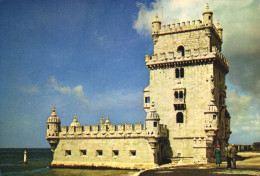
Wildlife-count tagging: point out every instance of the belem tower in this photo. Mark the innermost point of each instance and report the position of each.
(185, 104)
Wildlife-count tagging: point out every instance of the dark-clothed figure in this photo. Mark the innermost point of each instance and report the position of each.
(227, 155)
(233, 155)
(218, 156)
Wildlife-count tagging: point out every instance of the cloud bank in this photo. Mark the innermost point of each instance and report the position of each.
(240, 21)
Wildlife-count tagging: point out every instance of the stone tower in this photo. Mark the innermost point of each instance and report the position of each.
(53, 129)
(187, 85)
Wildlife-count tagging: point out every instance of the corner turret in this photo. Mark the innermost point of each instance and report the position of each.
(53, 129)
(152, 121)
(156, 27)
(207, 16)
(220, 31)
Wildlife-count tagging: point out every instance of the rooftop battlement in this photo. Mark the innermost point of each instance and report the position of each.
(191, 56)
(185, 26)
(110, 131)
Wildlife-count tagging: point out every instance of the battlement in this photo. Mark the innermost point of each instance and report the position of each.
(190, 56)
(110, 131)
(186, 26)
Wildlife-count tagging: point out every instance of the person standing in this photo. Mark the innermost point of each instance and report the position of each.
(233, 155)
(218, 156)
(228, 154)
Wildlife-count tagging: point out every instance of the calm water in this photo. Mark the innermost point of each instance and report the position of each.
(11, 163)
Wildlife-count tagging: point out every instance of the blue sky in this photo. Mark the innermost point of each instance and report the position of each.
(87, 58)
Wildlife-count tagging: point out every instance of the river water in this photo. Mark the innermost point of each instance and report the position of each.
(11, 163)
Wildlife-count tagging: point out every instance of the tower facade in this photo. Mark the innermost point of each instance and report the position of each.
(187, 85)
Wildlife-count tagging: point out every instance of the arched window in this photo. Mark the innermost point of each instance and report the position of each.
(181, 49)
(176, 94)
(179, 117)
(182, 73)
(177, 73)
(181, 94)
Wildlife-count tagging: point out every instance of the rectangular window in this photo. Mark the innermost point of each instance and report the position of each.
(147, 99)
(132, 152)
(214, 117)
(83, 152)
(48, 126)
(115, 153)
(155, 124)
(67, 152)
(179, 155)
(99, 152)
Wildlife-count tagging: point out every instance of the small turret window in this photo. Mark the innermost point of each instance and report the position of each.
(155, 124)
(147, 99)
(179, 117)
(181, 50)
(48, 126)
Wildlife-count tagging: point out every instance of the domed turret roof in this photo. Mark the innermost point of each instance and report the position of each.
(107, 120)
(156, 19)
(53, 118)
(75, 122)
(207, 10)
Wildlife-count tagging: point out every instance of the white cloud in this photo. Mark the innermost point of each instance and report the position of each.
(33, 88)
(76, 91)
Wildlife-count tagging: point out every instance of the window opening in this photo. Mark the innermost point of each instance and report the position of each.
(83, 152)
(214, 117)
(177, 73)
(99, 152)
(182, 73)
(115, 152)
(132, 152)
(48, 126)
(179, 117)
(176, 94)
(181, 94)
(155, 124)
(67, 152)
(181, 49)
(147, 99)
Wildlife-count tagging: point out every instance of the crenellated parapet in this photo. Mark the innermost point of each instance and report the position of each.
(191, 57)
(111, 131)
